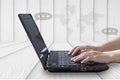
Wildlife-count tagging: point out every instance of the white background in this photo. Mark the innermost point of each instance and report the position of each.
(73, 22)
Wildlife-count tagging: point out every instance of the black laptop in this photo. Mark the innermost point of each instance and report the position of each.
(54, 61)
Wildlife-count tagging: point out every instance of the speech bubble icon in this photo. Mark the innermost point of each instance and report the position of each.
(43, 16)
(110, 31)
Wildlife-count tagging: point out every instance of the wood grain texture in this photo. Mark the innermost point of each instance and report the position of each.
(48, 25)
(114, 17)
(87, 19)
(74, 22)
(6, 20)
(0, 21)
(11, 49)
(19, 64)
(100, 20)
(19, 32)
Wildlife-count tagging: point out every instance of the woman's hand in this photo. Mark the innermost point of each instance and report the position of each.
(83, 49)
(95, 56)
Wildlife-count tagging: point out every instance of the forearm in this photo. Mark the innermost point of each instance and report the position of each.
(110, 45)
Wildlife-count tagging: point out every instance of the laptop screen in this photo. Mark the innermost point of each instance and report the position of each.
(35, 37)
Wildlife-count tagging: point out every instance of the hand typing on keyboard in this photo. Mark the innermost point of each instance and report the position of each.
(92, 56)
(77, 49)
(102, 53)
(88, 54)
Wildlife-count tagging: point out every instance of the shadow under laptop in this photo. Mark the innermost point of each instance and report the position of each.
(38, 72)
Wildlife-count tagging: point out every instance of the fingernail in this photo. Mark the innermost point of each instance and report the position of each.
(82, 62)
(74, 60)
(72, 54)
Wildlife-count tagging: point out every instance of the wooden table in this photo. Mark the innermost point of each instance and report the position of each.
(20, 61)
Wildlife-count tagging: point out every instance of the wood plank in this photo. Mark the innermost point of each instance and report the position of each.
(113, 18)
(6, 20)
(9, 44)
(87, 20)
(0, 21)
(60, 21)
(60, 24)
(112, 73)
(47, 25)
(19, 33)
(100, 20)
(10, 49)
(20, 64)
(74, 22)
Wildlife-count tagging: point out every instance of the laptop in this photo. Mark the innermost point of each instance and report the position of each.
(54, 61)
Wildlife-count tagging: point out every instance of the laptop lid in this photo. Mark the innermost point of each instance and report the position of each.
(35, 37)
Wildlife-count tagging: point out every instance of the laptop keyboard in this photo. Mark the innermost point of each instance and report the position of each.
(63, 58)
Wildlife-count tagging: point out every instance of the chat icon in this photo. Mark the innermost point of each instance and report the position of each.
(110, 31)
(43, 16)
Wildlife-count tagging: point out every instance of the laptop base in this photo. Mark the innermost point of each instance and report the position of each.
(55, 66)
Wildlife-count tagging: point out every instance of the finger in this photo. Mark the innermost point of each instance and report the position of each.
(83, 56)
(72, 50)
(86, 60)
(80, 57)
(84, 50)
(74, 57)
(75, 51)
(80, 48)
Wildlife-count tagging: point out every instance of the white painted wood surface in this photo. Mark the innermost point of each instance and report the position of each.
(47, 26)
(73, 22)
(6, 20)
(100, 20)
(19, 7)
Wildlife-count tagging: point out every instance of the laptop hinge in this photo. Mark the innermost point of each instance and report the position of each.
(46, 67)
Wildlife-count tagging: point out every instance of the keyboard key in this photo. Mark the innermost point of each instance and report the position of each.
(63, 58)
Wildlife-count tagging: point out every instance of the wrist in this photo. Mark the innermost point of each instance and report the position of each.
(110, 57)
(115, 58)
